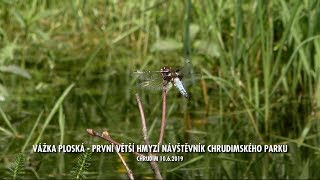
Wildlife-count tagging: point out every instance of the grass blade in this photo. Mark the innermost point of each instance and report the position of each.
(53, 111)
(186, 163)
(7, 121)
(32, 131)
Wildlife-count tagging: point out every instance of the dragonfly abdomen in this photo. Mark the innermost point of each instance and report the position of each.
(180, 87)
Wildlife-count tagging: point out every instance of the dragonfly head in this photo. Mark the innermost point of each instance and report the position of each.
(179, 73)
(166, 73)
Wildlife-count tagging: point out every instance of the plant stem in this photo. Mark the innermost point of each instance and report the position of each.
(163, 120)
(153, 164)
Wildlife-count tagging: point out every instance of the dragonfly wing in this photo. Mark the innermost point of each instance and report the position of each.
(150, 85)
(147, 75)
(149, 80)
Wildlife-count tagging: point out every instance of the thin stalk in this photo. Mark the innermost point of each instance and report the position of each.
(153, 164)
(164, 109)
(187, 49)
(129, 171)
(105, 135)
(143, 121)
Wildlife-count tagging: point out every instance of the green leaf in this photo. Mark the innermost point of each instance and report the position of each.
(166, 45)
(3, 93)
(195, 159)
(305, 171)
(7, 121)
(7, 52)
(194, 29)
(208, 48)
(53, 111)
(15, 70)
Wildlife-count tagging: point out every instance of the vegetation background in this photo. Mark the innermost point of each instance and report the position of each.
(66, 66)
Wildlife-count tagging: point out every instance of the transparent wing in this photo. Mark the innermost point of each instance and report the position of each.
(188, 83)
(147, 75)
(188, 75)
(187, 71)
(150, 80)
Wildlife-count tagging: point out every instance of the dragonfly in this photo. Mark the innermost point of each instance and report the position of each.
(166, 78)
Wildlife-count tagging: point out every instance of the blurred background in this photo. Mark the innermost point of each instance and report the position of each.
(66, 66)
